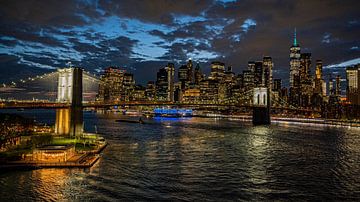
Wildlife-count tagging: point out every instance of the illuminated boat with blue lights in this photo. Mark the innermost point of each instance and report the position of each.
(164, 112)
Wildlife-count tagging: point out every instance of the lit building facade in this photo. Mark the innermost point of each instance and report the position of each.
(191, 95)
(183, 76)
(111, 85)
(165, 83)
(248, 80)
(277, 85)
(251, 66)
(209, 90)
(127, 87)
(138, 93)
(318, 81)
(306, 83)
(294, 60)
(353, 84)
(198, 76)
(170, 69)
(150, 91)
(217, 71)
(259, 74)
(294, 80)
(268, 66)
(190, 72)
(338, 85)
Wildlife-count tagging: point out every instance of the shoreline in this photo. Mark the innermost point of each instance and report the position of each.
(86, 160)
(329, 122)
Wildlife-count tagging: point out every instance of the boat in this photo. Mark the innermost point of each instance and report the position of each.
(131, 112)
(172, 113)
(130, 121)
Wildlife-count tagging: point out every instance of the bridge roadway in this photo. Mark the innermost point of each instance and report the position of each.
(56, 105)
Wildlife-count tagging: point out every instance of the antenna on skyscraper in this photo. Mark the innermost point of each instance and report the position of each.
(295, 42)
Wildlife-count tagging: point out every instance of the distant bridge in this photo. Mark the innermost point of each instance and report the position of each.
(66, 85)
(57, 105)
(72, 81)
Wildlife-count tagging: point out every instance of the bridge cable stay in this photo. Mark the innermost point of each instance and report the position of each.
(14, 84)
(282, 102)
(247, 95)
(38, 87)
(11, 87)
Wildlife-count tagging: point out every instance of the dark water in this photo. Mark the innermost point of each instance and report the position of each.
(201, 159)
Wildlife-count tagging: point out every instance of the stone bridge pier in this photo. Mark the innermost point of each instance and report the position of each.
(261, 106)
(70, 121)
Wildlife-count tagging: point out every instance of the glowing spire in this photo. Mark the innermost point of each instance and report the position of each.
(295, 42)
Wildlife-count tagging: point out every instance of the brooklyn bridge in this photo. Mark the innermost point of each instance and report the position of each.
(76, 89)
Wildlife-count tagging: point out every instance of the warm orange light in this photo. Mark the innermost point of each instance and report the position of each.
(62, 125)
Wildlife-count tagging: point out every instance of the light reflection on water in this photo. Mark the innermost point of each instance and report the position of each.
(202, 159)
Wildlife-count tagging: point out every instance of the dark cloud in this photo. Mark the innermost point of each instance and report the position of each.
(14, 71)
(53, 32)
(29, 33)
(156, 11)
(49, 12)
(113, 52)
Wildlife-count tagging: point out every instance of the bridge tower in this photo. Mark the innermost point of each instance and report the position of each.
(261, 106)
(70, 121)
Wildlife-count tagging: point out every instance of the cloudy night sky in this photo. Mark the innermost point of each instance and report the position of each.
(142, 36)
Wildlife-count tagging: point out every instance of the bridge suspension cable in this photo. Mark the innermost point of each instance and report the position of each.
(14, 84)
(282, 102)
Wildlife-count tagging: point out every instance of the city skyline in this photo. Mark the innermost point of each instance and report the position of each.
(95, 35)
(179, 100)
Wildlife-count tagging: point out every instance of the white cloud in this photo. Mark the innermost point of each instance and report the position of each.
(247, 24)
(344, 64)
(326, 38)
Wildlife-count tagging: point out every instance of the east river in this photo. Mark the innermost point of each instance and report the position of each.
(200, 159)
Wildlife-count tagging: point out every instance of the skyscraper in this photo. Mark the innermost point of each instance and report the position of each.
(111, 87)
(165, 83)
(318, 82)
(277, 85)
(230, 76)
(217, 71)
(248, 80)
(268, 66)
(276, 92)
(331, 86)
(170, 69)
(190, 72)
(353, 84)
(150, 91)
(338, 86)
(318, 69)
(128, 86)
(305, 63)
(319, 87)
(294, 60)
(251, 66)
(306, 84)
(209, 90)
(198, 76)
(294, 80)
(183, 76)
(258, 74)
